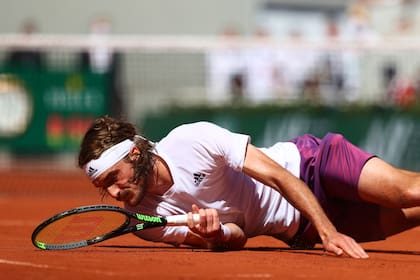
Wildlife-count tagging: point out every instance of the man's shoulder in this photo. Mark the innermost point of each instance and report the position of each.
(194, 129)
(197, 124)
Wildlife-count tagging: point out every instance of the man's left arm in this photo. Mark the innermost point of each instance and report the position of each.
(270, 173)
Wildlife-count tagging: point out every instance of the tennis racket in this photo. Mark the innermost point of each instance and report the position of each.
(88, 225)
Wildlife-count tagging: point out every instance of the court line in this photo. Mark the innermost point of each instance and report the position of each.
(19, 263)
(45, 266)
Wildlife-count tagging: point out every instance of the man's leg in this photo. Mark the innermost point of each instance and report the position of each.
(396, 190)
(394, 221)
(383, 184)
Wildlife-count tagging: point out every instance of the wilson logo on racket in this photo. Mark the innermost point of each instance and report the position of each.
(150, 219)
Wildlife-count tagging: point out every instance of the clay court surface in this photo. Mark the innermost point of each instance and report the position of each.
(29, 197)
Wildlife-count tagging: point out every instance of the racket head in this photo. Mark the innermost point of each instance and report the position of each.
(79, 227)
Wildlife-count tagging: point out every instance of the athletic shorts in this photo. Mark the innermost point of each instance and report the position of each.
(331, 167)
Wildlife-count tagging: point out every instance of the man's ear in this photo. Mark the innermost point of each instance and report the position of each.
(134, 153)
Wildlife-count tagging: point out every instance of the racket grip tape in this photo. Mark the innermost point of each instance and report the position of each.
(181, 220)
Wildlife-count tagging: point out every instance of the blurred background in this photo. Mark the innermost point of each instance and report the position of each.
(273, 69)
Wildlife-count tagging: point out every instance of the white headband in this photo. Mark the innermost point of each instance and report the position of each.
(96, 167)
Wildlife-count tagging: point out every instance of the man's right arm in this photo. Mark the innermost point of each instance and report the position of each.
(229, 236)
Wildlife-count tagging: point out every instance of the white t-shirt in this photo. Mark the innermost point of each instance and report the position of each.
(205, 161)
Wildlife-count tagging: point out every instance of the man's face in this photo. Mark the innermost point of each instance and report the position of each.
(119, 182)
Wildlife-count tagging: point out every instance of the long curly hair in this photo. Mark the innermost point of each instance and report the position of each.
(106, 132)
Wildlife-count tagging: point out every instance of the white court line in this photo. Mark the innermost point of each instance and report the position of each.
(18, 263)
(45, 266)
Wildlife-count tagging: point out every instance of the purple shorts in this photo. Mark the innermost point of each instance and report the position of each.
(331, 167)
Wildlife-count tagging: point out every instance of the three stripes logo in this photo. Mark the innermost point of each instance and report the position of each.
(198, 178)
(91, 171)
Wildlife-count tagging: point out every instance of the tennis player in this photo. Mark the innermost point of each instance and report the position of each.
(303, 191)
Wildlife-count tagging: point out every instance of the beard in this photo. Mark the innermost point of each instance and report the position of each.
(137, 196)
(134, 194)
(142, 168)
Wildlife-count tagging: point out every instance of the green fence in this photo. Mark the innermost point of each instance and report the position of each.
(48, 111)
(391, 133)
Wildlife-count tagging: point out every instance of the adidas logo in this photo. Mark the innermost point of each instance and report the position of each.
(198, 178)
(91, 171)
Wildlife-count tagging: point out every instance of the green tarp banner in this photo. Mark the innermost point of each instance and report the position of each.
(48, 111)
(390, 133)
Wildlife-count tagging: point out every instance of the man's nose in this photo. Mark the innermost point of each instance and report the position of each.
(113, 191)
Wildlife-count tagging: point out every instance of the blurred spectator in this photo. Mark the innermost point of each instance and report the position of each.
(358, 25)
(403, 92)
(29, 59)
(261, 69)
(226, 79)
(400, 89)
(337, 68)
(296, 66)
(102, 59)
(406, 22)
(389, 75)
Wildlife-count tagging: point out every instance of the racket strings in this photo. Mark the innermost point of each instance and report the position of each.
(81, 226)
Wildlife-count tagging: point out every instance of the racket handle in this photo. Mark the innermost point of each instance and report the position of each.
(181, 220)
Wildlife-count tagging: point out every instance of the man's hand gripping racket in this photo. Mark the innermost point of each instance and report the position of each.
(88, 225)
